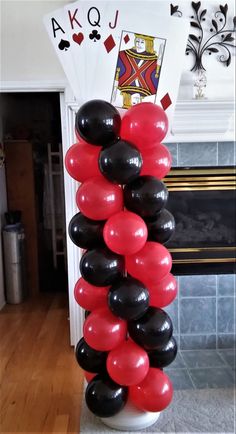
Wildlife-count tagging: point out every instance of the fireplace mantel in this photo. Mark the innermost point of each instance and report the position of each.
(203, 120)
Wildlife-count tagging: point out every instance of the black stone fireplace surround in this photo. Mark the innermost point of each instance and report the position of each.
(203, 203)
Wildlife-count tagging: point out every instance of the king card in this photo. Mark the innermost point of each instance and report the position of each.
(138, 69)
(140, 59)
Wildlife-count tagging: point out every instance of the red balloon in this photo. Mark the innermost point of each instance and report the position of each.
(104, 331)
(89, 376)
(154, 393)
(164, 292)
(90, 297)
(99, 199)
(156, 161)
(150, 264)
(144, 124)
(128, 364)
(125, 233)
(81, 161)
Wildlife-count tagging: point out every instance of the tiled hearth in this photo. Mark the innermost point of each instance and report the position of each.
(203, 369)
(203, 314)
(202, 154)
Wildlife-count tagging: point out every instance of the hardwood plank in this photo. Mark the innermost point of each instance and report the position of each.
(42, 384)
(61, 423)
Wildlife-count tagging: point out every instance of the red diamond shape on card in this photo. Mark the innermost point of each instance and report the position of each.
(109, 43)
(166, 101)
(126, 39)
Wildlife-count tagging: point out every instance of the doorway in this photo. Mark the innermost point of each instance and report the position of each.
(31, 130)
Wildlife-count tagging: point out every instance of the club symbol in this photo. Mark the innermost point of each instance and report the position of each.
(63, 45)
(95, 35)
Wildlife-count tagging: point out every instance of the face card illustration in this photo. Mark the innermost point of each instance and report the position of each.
(138, 69)
(56, 29)
(141, 60)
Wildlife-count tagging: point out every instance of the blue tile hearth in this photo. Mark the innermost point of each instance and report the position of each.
(197, 286)
(225, 340)
(207, 378)
(178, 363)
(180, 379)
(173, 150)
(202, 359)
(226, 315)
(226, 285)
(229, 357)
(202, 369)
(197, 342)
(197, 154)
(226, 153)
(197, 315)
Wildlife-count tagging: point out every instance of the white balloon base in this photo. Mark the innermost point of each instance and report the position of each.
(131, 419)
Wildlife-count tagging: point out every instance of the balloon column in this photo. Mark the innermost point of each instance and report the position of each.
(126, 280)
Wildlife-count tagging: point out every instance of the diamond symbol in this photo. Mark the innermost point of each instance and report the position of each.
(126, 38)
(166, 101)
(109, 43)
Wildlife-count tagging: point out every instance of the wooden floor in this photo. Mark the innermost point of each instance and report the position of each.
(41, 383)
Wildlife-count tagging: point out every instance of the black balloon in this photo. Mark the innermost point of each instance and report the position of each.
(87, 313)
(120, 162)
(86, 233)
(145, 196)
(98, 122)
(101, 267)
(163, 355)
(162, 227)
(104, 397)
(128, 298)
(153, 329)
(89, 359)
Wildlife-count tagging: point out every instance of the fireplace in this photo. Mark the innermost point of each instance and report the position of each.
(202, 201)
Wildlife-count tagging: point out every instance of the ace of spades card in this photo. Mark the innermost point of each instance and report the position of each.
(56, 29)
(141, 59)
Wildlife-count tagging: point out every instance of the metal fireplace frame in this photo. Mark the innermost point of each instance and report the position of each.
(202, 260)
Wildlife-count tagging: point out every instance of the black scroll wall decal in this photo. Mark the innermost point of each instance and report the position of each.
(220, 40)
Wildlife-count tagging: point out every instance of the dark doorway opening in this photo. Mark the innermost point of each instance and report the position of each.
(31, 130)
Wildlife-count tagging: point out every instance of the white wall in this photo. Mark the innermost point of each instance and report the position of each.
(27, 53)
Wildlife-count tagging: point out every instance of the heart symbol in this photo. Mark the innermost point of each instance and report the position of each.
(78, 38)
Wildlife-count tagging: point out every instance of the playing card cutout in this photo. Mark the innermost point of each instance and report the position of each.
(78, 38)
(109, 43)
(166, 101)
(63, 45)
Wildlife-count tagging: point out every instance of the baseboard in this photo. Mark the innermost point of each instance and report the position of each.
(2, 305)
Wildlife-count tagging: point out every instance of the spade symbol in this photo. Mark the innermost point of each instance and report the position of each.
(63, 45)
